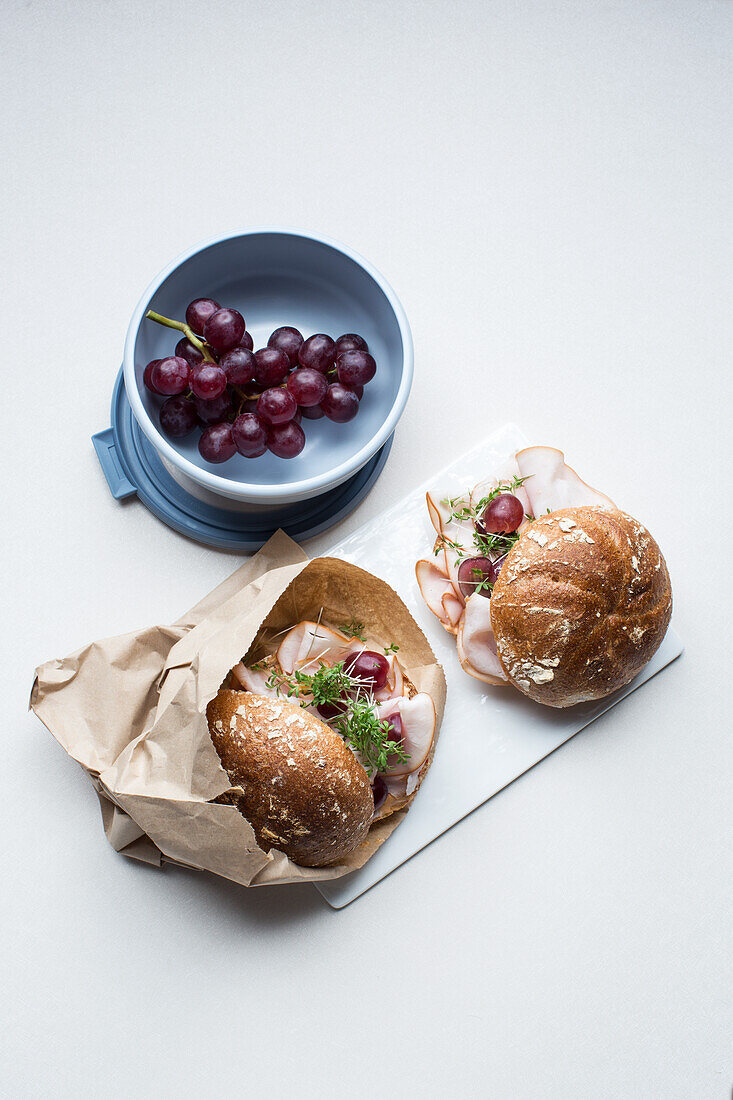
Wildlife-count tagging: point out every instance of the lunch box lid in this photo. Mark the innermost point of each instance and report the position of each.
(132, 467)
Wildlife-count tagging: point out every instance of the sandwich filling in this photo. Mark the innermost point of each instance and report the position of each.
(361, 693)
(474, 534)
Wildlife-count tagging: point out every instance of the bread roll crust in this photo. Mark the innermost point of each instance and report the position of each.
(581, 605)
(300, 787)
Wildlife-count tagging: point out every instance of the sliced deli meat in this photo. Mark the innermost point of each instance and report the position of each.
(416, 729)
(254, 680)
(395, 686)
(438, 511)
(453, 535)
(308, 642)
(476, 642)
(435, 586)
(453, 609)
(505, 475)
(551, 484)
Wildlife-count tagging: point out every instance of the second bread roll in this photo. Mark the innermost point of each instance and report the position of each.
(300, 787)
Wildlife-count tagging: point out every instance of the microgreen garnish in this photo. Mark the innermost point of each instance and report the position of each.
(493, 546)
(354, 629)
(358, 723)
(325, 686)
(482, 582)
(391, 649)
(361, 729)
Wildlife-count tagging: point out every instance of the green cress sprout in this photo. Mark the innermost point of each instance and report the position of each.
(486, 544)
(357, 722)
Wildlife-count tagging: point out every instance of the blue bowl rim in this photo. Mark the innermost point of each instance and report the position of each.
(248, 491)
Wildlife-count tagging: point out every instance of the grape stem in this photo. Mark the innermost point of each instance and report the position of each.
(181, 326)
(244, 396)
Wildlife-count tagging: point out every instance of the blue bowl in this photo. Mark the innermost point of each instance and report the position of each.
(278, 277)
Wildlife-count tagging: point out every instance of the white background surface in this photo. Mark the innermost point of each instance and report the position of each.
(547, 186)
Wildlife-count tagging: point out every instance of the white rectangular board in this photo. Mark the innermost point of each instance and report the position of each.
(489, 736)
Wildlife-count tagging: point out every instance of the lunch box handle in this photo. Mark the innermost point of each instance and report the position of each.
(119, 483)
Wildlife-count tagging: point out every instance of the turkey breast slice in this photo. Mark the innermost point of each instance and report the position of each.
(552, 484)
(476, 643)
(254, 680)
(435, 585)
(307, 642)
(418, 729)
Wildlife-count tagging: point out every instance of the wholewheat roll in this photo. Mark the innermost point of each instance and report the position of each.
(300, 787)
(581, 605)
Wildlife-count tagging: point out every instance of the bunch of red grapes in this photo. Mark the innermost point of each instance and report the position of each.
(250, 401)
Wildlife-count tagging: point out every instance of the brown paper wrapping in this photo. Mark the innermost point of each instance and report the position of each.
(131, 709)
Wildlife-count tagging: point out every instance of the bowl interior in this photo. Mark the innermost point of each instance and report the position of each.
(278, 279)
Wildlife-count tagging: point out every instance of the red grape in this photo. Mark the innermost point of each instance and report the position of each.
(208, 381)
(396, 733)
(286, 440)
(358, 390)
(340, 404)
(501, 516)
(238, 365)
(216, 443)
(355, 368)
(147, 376)
(198, 313)
(189, 352)
(350, 342)
(312, 412)
(272, 367)
(247, 341)
(210, 412)
(499, 565)
(170, 375)
(379, 792)
(249, 435)
(224, 329)
(331, 710)
(178, 416)
(289, 340)
(318, 351)
(307, 386)
(472, 572)
(276, 406)
(369, 668)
